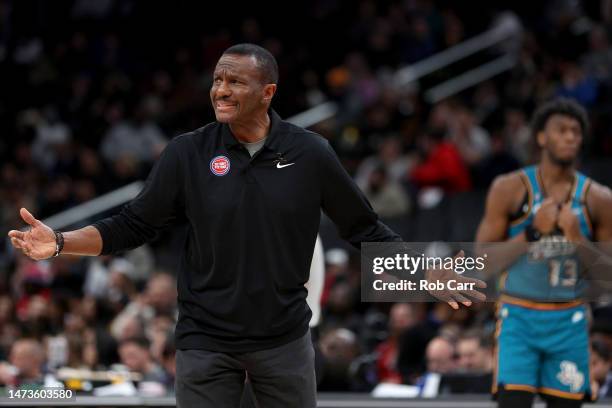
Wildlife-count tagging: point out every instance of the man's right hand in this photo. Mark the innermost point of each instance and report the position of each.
(38, 242)
(545, 219)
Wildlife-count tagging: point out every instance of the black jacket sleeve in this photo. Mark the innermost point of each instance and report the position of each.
(155, 207)
(346, 205)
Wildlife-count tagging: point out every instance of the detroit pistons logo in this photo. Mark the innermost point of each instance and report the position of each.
(220, 166)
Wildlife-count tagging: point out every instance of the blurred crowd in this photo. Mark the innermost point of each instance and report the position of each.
(92, 91)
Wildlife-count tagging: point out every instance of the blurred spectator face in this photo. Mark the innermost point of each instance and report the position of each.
(472, 356)
(74, 323)
(561, 139)
(515, 119)
(161, 293)
(336, 261)
(27, 356)
(441, 116)
(38, 308)
(390, 150)
(125, 166)
(132, 328)
(339, 345)
(464, 119)
(157, 332)
(134, 356)
(89, 162)
(340, 299)
(599, 367)
(88, 309)
(238, 92)
(401, 317)
(440, 356)
(571, 74)
(84, 190)
(377, 180)
(600, 361)
(6, 310)
(604, 338)
(90, 350)
(598, 39)
(169, 364)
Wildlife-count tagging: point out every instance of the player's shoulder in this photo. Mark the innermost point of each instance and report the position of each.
(508, 183)
(599, 195)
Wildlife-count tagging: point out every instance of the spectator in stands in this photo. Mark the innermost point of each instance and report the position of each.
(336, 268)
(441, 166)
(440, 355)
(135, 355)
(441, 359)
(389, 156)
(517, 135)
(472, 141)
(160, 294)
(598, 61)
(339, 348)
(340, 308)
(474, 353)
(168, 362)
(27, 359)
(577, 85)
(600, 368)
(159, 298)
(401, 317)
(137, 136)
(387, 197)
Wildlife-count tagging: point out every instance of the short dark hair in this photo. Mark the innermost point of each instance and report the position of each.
(265, 60)
(484, 340)
(601, 349)
(559, 106)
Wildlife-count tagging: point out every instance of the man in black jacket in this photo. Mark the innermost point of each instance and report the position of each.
(251, 187)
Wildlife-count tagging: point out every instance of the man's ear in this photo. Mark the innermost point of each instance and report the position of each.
(268, 93)
(541, 138)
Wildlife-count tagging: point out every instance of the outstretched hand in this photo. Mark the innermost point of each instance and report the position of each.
(38, 242)
(454, 297)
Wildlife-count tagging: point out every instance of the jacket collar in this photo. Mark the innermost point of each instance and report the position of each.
(274, 134)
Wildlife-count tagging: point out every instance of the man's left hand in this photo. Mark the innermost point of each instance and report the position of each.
(569, 224)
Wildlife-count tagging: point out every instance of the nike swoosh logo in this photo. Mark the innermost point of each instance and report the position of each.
(280, 166)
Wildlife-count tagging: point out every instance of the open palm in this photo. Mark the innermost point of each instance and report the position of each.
(454, 297)
(38, 242)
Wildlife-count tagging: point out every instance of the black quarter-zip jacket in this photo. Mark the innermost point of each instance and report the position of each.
(252, 229)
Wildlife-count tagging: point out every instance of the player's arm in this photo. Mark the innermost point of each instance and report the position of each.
(494, 224)
(596, 257)
(599, 202)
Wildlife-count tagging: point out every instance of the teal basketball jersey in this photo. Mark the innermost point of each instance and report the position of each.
(550, 271)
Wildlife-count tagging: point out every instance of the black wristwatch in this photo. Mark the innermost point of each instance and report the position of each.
(532, 234)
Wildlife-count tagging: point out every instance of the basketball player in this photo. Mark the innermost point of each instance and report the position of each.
(542, 328)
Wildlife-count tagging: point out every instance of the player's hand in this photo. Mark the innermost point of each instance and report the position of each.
(545, 219)
(38, 242)
(569, 224)
(454, 297)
